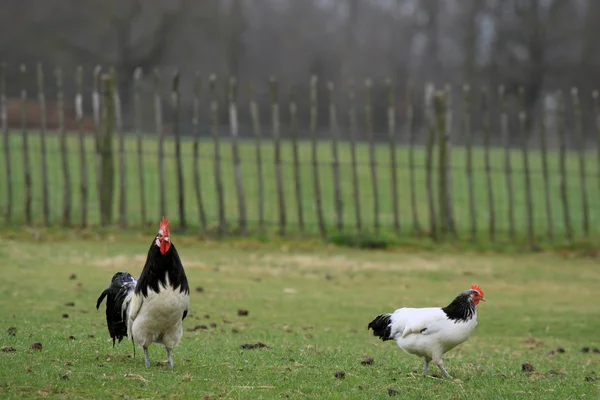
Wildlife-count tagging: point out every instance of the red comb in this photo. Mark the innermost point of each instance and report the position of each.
(478, 288)
(164, 226)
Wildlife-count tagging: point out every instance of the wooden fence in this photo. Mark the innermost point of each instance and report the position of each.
(469, 191)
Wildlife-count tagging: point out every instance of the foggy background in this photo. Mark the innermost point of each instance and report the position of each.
(539, 45)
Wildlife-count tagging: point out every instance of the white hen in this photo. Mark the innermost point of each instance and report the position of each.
(431, 332)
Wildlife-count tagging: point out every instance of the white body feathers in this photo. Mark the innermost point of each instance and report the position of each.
(158, 317)
(427, 332)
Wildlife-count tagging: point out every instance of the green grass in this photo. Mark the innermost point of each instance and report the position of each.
(249, 174)
(310, 304)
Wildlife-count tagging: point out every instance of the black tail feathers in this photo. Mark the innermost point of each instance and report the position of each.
(122, 283)
(381, 326)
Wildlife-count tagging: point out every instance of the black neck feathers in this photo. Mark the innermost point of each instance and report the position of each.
(462, 308)
(158, 268)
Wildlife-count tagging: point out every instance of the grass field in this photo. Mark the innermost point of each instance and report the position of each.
(310, 305)
(249, 173)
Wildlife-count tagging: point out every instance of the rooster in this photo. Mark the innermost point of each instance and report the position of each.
(121, 285)
(151, 309)
(431, 332)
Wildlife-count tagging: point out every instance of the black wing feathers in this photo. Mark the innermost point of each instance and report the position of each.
(122, 283)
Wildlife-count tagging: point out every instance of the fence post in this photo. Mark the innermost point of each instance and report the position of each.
(485, 100)
(196, 145)
(544, 150)
(42, 101)
(314, 154)
(276, 140)
(83, 177)
(121, 138)
(391, 119)
(295, 153)
(161, 143)
(335, 165)
(525, 151)
(468, 133)
(214, 110)
(97, 111)
(106, 151)
(7, 160)
(372, 156)
(175, 102)
(596, 99)
(563, 168)
(25, 136)
(430, 142)
(353, 158)
(137, 109)
(504, 129)
(63, 148)
(237, 169)
(444, 209)
(256, 128)
(581, 148)
(412, 133)
(448, 116)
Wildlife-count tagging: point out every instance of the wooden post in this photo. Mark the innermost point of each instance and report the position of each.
(448, 116)
(335, 165)
(161, 144)
(430, 142)
(175, 104)
(42, 101)
(96, 95)
(256, 128)
(525, 151)
(60, 100)
(83, 177)
(544, 150)
(276, 141)
(106, 151)
(314, 154)
(137, 106)
(122, 165)
(7, 160)
(412, 133)
(237, 168)
(440, 116)
(582, 172)
(353, 158)
(563, 168)
(25, 136)
(504, 128)
(596, 99)
(296, 157)
(196, 145)
(391, 118)
(485, 101)
(214, 110)
(372, 157)
(468, 134)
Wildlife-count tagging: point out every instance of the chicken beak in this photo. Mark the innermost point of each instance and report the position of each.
(482, 298)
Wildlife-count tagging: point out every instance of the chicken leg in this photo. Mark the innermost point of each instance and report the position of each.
(147, 357)
(441, 365)
(170, 357)
(426, 366)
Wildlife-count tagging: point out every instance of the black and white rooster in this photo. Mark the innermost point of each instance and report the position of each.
(151, 309)
(431, 332)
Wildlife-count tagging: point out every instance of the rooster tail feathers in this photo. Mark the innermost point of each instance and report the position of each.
(382, 326)
(118, 296)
